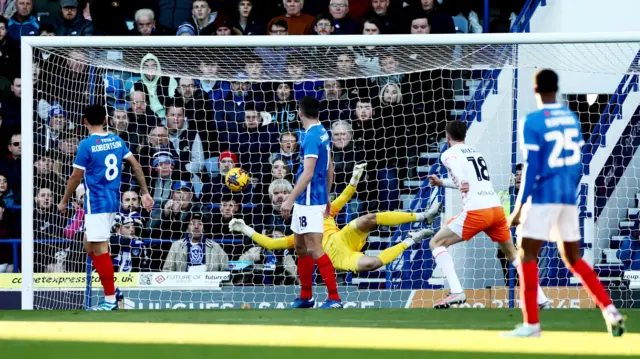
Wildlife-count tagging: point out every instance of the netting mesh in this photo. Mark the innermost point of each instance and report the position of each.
(191, 114)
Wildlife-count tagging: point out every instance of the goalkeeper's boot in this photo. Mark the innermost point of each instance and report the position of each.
(545, 305)
(300, 303)
(119, 298)
(104, 306)
(432, 213)
(331, 304)
(615, 323)
(524, 331)
(451, 299)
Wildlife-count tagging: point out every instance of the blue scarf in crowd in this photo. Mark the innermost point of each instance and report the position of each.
(196, 253)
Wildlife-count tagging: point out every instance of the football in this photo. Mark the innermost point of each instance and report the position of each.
(237, 179)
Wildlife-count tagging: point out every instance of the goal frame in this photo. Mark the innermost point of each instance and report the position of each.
(29, 43)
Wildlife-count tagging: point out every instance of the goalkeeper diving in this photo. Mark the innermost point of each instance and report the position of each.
(344, 245)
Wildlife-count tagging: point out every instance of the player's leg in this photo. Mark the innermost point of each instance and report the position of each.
(325, 267)
(98, 227)
(569, 247)
(445, 238)
(305, 264)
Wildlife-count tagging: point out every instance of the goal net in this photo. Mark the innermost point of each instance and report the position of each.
(192, 109)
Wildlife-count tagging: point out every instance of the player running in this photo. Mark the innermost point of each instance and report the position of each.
(99, 163)
(481, 211)
(344, 245)
(546, 207)
(311, 195)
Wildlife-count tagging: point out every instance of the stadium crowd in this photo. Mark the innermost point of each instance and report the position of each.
(189, 132)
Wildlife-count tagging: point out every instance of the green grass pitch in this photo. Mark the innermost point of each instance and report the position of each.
(461, 324)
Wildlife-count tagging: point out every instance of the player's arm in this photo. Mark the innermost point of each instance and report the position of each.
(238, 225)
(74, 181)
(349, 191)
(147, 201)
(330, 175)
(453, 167)
(301, 184)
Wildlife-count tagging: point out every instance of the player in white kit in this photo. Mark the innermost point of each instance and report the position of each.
(482, 211)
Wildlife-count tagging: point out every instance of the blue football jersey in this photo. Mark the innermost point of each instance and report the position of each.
(100, 156)
(551, 140)
(315, 143)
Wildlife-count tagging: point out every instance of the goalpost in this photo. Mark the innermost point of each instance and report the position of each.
(385, 99)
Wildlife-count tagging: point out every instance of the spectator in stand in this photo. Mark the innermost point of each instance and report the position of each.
(70, 22)
(129, 202)
(297, 71)
(280, 170)
(230, 111)
(213, 90)
(441, 23)
(195, 252)
(146, 25)
(420, 25)
(254, 67)
(67, 149)
(7, 8)
(48, 224)
(10, 167)
(74, 230)
(7, 231)
(157, 144)
(159, 88)
(275, 57)
(221, 27)
(128, 250)
(47, 136)
(168, 221)
(199, 114)
(254, 141)
(288, 151)
(343, 24)
(9, 55)
(507, 197)
(161, 178)
(46, 11)
(172, 13)
(268, 216)
(335, 105)
(47, 30)
(367, 57)
(387, 16)
(6, 193)
(23, 23)
(144, 117)
(185, 142)
(298, 22)
(228, 210)
(10, 107)
(120, 120)
(345, 157)
(324, 24)
(248, 21)
(44, 172)
(283, 109)
(201, 17)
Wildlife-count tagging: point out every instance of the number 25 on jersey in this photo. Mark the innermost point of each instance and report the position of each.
(563, 140)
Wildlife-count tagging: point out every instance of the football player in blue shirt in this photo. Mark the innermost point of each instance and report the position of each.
(551, 142)
(311, 195)
(98, 165)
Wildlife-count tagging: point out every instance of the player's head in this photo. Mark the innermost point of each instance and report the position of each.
(279, 191)
(456, 131)
(309, 108)
(546, 83)
(228, 206)
(95, 116)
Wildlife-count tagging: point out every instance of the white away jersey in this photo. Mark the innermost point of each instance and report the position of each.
(465, 163)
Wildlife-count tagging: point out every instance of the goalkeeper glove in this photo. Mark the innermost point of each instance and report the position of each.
(358, 170)
(238, 225)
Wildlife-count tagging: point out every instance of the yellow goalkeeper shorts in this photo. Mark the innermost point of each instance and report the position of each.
(344, 247)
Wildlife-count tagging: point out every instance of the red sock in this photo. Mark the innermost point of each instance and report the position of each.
(305, 272)
(328, 274)
(591, 282)
(528, 272)
(104, 267)
(92, 256)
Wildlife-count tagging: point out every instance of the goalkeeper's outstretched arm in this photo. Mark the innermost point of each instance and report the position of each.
(238, 225)
(349, 191)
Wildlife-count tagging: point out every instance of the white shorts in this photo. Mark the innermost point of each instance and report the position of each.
(308, 219)
(549, 222)
(97, 227)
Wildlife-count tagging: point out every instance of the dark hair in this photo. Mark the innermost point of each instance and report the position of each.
(228, 197)
(324, 16)
(309, 106)
(10, 138)
(4, 21)
(250, 106)
(46, 28)
(337, 52)
(281, 23)
(519, 167)
(372, 20)
(176, 102)
(252, 59)
(457, 130)
(291, 59)
(95, 115)
(546, 81)
(289, 133)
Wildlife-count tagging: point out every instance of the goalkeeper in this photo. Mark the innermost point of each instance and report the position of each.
(344, 245)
